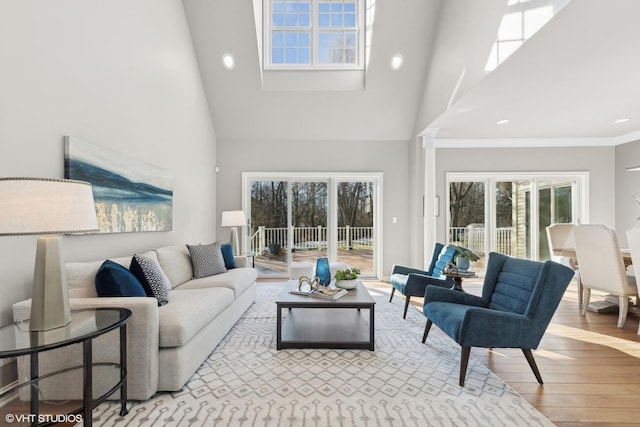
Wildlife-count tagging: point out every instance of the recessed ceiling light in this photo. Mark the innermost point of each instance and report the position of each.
(228, 61)
(621, 120)
(502, 122)
(396, 61)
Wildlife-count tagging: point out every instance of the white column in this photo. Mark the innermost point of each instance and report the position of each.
(430, 205)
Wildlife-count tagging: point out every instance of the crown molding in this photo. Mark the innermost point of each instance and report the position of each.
(527, 142)
(530, 142)
(627, 137)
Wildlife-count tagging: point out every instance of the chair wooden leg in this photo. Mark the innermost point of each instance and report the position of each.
(623, 308)
(464, 361)
(406, 306)
(586, 296)
(580, 296)
(532, 363)
(427, 327)
(393, 291)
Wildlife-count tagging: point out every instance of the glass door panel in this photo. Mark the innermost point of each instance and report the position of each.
(299, 217)
(562, 204)
(355, 202)
(268, 227)
(518, 207)
(467, 223)
(309, 238)
(512, 234)
(544, 220)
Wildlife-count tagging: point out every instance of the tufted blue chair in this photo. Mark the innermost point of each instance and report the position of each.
(412, 282)
(519, 298)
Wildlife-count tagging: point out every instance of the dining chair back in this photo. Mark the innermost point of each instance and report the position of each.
(633, 240)
(560, 237)
(602, 267)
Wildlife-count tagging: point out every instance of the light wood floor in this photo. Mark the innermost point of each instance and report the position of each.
(591, 369)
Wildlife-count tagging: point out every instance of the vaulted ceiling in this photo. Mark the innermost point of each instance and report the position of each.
(572, 79)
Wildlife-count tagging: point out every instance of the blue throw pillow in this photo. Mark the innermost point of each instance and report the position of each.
(227, 254)
(446, 256)
(115, 280)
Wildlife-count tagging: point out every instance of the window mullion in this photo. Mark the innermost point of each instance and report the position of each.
(314, 32)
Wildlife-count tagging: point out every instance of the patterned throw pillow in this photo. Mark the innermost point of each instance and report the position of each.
(148, 272)
(207, 260)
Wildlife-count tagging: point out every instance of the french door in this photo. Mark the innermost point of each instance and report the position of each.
(509, 212)
(300, 217)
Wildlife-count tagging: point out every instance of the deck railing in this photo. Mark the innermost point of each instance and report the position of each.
(311, 238)
(362, 238)
(473, 238)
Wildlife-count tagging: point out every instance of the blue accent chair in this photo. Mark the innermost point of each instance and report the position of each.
(412, 282)
(519, 298)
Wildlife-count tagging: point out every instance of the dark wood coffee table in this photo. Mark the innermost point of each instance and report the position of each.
(320, 323)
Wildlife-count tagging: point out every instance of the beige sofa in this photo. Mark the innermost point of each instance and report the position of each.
(166, 344)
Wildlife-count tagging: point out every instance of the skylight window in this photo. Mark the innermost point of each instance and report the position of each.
(314, 34)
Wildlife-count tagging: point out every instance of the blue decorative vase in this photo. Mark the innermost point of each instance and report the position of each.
(462, 263)
(323, 271)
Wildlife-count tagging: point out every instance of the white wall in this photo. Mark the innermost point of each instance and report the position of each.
(466, 32)
(390, 158)
(627, 184)
(598, 161)
(115, 73)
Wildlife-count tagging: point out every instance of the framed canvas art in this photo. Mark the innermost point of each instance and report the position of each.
(130, 195)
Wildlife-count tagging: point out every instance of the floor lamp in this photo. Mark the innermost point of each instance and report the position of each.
(234, 219)
(47, 207)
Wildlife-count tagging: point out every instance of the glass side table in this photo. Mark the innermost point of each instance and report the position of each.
(86, 325)
(457, 277)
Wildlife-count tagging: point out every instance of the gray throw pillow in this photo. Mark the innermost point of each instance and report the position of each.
(206, 260)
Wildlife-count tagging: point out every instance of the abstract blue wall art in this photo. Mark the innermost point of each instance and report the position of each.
(130, 195)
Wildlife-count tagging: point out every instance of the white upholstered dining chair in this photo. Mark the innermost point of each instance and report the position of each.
(602, 267)
(560, 236)
(633, 240)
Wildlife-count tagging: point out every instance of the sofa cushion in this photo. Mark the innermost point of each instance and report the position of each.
(190, 310)
(148, 272)
(237, 279)
(206, 260)
(115, 280)
(81, 276)
(227, 254)
(176, 263)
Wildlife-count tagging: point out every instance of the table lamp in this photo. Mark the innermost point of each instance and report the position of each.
(47, 207)
(234, 219)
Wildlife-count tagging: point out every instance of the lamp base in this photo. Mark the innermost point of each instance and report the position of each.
(234, 241)
(50, 301)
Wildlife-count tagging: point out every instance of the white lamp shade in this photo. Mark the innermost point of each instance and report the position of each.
(46, 206)
(233, 219)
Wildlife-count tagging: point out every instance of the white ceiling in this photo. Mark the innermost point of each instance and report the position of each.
(242, 109)
(572, 79)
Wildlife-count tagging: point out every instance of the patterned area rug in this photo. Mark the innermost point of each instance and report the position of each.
(247, 382)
